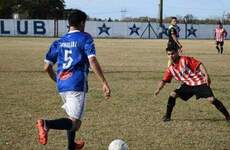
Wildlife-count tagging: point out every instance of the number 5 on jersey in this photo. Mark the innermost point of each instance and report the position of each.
(67, 59)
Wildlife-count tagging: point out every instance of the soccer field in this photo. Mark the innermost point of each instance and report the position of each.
(133, 69)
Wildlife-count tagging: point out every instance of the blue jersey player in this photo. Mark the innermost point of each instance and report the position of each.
(73, 54)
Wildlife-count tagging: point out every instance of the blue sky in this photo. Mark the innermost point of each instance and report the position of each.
(137, 8)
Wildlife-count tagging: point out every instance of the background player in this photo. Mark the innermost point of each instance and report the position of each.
(73, 53)
(219, 35)
(173, 33)
(195, 81)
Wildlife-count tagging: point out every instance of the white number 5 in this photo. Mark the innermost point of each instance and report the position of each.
(67, 59)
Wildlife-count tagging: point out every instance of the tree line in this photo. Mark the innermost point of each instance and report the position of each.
(32, 9)
(55, 9)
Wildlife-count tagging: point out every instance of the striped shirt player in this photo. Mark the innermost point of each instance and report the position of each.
(73, 53)
(185, 70)
(219, 35)
(194, 81)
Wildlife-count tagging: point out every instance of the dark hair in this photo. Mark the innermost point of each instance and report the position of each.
(219, 22)
(76, 17)
(172, 47)
(173, 18)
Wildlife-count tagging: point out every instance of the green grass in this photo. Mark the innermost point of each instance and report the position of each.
(133, 69)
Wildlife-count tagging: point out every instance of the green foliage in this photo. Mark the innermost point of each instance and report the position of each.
(6, 9)
(32, 9)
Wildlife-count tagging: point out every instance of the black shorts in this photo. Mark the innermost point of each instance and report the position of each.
(185, 92)
(173, 44)
(220, 43)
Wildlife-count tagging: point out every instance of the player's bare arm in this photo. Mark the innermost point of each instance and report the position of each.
(175, 39)
(204, 71)
(49, 69)
(160, 87)
(98, 71)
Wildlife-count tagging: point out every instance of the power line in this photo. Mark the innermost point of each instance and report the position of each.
(123, 13)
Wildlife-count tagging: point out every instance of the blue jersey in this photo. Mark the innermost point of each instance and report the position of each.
(71, 53)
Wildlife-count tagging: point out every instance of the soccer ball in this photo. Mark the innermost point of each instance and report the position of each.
(118, 144)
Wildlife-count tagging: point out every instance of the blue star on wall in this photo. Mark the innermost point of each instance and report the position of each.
(134, 29)
(164, 31)
(103, 29)
(178, 31)
(192, 31)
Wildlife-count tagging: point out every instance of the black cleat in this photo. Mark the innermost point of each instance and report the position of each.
(165, 118)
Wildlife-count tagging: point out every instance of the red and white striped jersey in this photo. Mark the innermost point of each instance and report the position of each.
(185, 70)
(220, 34)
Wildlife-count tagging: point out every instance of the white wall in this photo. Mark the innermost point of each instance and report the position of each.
(13, 27)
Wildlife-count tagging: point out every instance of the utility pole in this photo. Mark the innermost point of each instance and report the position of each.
(161, 15)
(123, 13)
(223, 17)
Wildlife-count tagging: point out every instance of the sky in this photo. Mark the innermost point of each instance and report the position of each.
(117, 9)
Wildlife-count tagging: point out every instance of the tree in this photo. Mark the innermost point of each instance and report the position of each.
(189, 18)
(228, 16)
(33, 9)
(6, 9)
(45, 9)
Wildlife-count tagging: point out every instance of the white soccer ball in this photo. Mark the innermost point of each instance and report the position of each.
(118, 144)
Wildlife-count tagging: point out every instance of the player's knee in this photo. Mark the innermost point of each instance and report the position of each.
(173, 94)
(211, 99)
(76, 124)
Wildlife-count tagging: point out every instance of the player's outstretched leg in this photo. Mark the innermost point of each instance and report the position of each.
(219, 105)
(59, 124)
(170, 105)
(44, 125)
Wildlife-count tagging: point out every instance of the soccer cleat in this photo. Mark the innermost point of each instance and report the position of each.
(166, 118)
(42, 132)
(79, 144)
